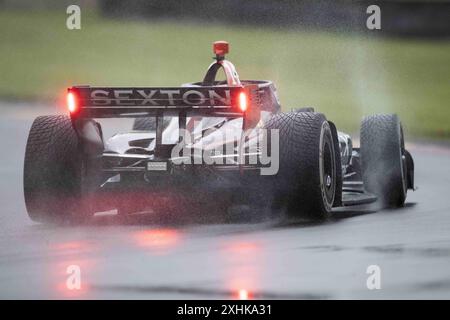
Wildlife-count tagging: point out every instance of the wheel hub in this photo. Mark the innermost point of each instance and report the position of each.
(328, 181)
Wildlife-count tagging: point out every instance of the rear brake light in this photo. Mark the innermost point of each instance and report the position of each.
(243, 101)
(71, 102)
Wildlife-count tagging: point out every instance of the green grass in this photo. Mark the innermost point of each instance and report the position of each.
(344, 76)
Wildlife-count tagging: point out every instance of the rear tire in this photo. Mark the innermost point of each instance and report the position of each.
(307, 180)
(53, 172)
(383, 160)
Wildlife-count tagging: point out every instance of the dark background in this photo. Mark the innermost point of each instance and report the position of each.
(403, 18)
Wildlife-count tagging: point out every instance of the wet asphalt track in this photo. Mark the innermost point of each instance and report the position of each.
(138, 259)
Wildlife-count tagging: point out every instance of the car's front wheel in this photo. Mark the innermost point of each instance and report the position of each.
(383, 159)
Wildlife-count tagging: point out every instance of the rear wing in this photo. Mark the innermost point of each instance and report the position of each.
(102, 102)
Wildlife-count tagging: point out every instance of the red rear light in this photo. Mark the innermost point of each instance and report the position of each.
(243, 101)
(71, 102)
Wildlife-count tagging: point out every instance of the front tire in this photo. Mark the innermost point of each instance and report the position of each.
(383, 159)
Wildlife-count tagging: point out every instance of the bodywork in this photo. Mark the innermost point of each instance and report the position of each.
(208, 111)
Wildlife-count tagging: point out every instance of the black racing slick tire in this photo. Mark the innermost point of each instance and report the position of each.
(53, 169)
(383, 160)
(307, 180)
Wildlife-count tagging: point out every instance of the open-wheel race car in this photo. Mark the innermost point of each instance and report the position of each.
(208, 144)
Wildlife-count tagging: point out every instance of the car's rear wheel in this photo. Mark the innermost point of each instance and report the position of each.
(383, 159)
(53, 172)
(308, 176)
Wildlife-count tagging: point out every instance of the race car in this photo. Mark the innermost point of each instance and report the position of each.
(211, 144)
